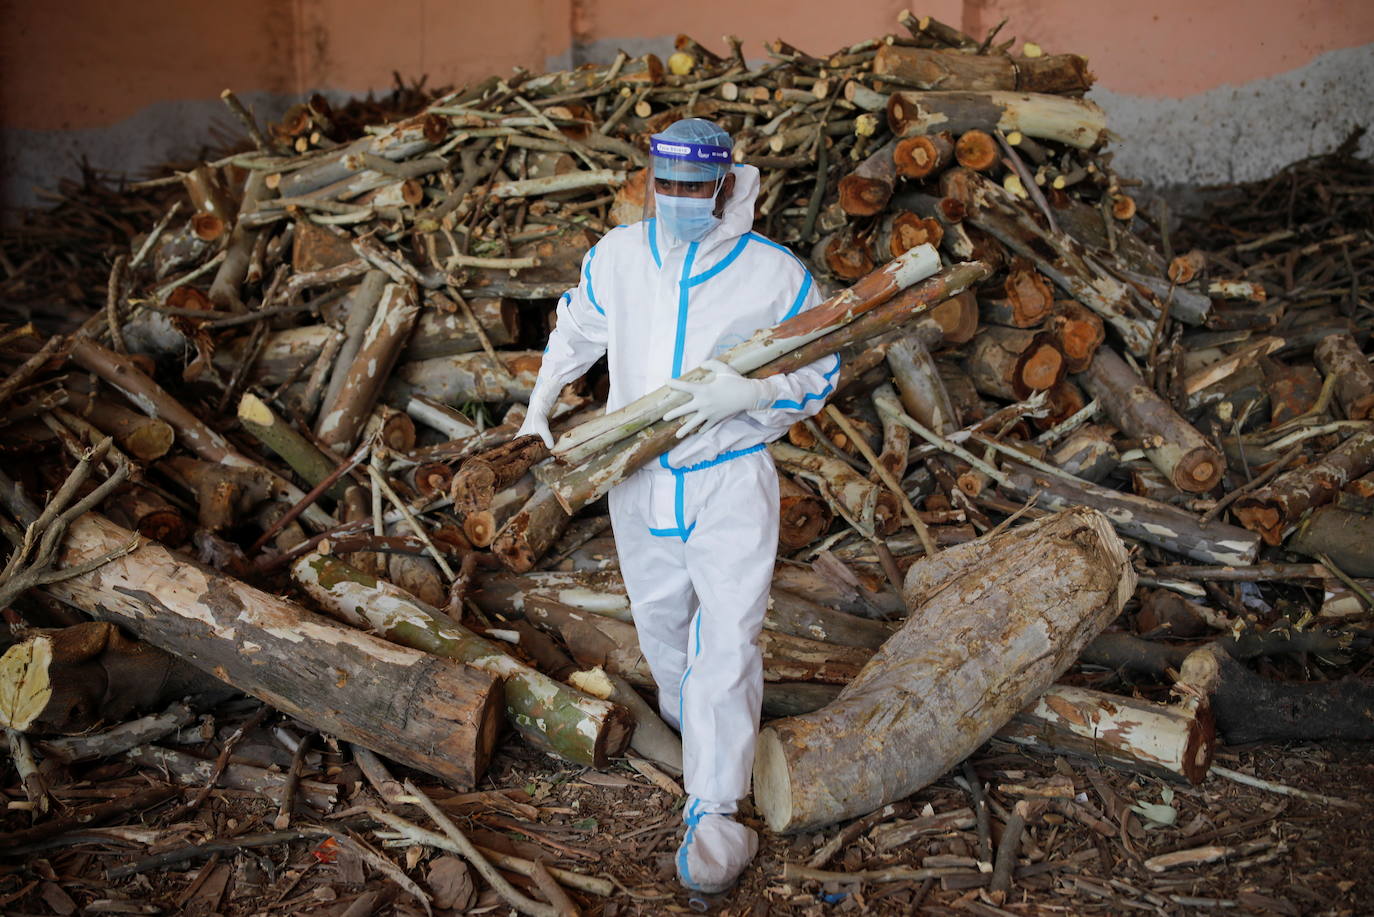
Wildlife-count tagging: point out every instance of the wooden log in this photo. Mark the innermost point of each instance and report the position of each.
(846, 254)
(1062, 401)
(431, 714)
(395, 142)
(1076, 122)
(856, 595)
(361, 307)
(901, 230)
(1274, 509)
(1028, 298)
(554, 717)
(926, 68)
(145, 438)
(652, 737)
(480, 527)
(446, 330)
(1010, 363)
(531, 531)
(1077, 331)
(867, 189)
(1021, 228)
(467, 377)
(922, 391)
(1339, 355)
(304, 457)
(923, 155)
(391, 326)
(1171, 741)
(70, 680)
(480, 476)
(896, 437)
(149, 514)
(192, 432)
(1139, 518)
(803, 517)
(1087, 453)
(594, 640)
(850, 494)
(1346, 537)
(957, 318)
(225, 288)
(1033, 596)
(225, 495)
(1173, 446)
(977, 150)
(1292, 390)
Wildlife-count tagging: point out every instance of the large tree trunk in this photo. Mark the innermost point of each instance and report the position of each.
(581, 729)
(976, 649)
(428, 713)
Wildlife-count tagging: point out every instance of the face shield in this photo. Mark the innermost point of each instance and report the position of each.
(688, 163)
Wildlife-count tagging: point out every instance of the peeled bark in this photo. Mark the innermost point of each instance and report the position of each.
(925, 68)
(990, 638)
(1087, 453)
(1076, 122)
(1274, 509)
(1173, 445)
(431, 714)
(584, 730)
(896, 437)
(1172, 741)
(1340, 355)
(1142, 519)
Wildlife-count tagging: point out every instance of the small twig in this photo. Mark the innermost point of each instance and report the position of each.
(153, 236)
(945, 445)
(470, 852)
(35, 788)
(288, 790)
(892, 483)
(244, 115)
(1349, 581)
(309, 499)
(221, 762)
(1281, 789)
(30, 366)
(980, 812)
(1006, 851)
(854, 829)
(795, 872)
(114, 288)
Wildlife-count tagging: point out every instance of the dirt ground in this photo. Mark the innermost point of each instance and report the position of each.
(1285, 855)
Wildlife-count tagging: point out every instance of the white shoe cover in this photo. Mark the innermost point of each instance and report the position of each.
(715, 850)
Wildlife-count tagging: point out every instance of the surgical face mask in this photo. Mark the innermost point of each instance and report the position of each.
(688, 219)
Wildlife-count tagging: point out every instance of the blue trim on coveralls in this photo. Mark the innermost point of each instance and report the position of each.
(810, 396)
(692, 818)
(587, 278)
(653, 241)
(801, 296)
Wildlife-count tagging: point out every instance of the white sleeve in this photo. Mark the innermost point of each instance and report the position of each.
(800, 394)
(579, 338)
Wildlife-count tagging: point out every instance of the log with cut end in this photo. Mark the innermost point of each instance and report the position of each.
(1010, 363)
(866, 190)
(151, 515)
(481, 476)
(1274, 509)
(531, 531)
(1028, 298)
(145, 438)
(1020, 227)
(1076, 122)
(1172, 444)
(930, 69)
(853, 496)
(70, 680)
(846, 254)
(1339, 355)
(432, 714)
(1078, 331)
(1141, 518)
(304, 457)
(466, 377)
(480, 527)
(803, 517)
(1173, 741)
(901, 230)
(923, 155)
(391, 326)
(976, 150)
(896, 436)
(225, 495)
(991, 638)
(584, 730)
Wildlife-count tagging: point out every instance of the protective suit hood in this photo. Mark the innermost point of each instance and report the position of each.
(737, 219)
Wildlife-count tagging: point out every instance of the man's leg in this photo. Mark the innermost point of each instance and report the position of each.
(662, 600)
(730, 557)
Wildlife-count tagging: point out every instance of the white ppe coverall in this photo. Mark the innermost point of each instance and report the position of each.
(696, 530)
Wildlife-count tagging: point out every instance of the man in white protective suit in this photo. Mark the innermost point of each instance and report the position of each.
(696, 530)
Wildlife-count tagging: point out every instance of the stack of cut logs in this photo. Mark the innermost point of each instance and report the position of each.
(317, 360)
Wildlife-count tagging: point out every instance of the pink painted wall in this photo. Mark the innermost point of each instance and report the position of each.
(87, 63)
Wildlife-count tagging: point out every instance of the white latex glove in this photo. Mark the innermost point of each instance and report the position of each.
(724, 394)
(537, 417)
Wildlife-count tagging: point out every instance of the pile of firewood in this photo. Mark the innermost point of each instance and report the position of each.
(315, 363)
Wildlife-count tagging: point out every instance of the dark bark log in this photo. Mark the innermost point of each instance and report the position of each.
(866, 190)
(147, 513)
(924, 68)
(1345, 537)
(1340, 355)
(480, 476)
(1292, 390)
